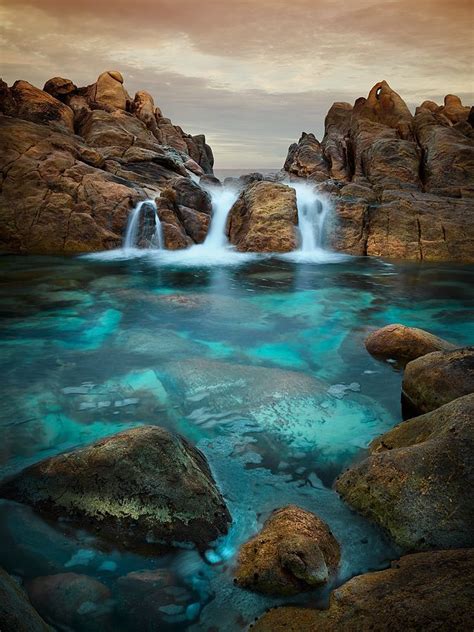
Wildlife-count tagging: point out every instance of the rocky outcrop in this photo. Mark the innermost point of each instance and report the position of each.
(401, 184)
(16, 611)
(424, 591)
(417, 483)
(72, 601)
(437, 378)
(264, 219)
(64, 193)
(138, 487)
(404, 344)
(306, 160)
(295, 551)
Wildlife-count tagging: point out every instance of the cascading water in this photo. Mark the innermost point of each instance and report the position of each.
(223, 199)
(312, 213)
(144, 227)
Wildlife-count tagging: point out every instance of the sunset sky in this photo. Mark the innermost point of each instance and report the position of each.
(250, 74)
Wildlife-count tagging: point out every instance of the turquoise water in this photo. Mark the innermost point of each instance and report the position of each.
(261, 365)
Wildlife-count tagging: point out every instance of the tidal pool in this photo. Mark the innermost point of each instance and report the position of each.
(262, 365)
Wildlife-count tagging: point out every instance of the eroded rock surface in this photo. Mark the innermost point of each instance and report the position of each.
(138, 487)
(295, 551)
(424, 591)
(16, 611)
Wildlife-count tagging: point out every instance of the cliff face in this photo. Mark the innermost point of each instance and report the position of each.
(402, 186)
(75, 160)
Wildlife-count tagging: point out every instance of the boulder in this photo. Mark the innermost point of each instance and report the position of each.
(417, 483)
(404, 344)
(264, 219)
(72, 601)
(59, 88)
(306, 159)
(174, 233)
(437, 378)
(295, 551)
(454, 110)
(143, 107)
(16, 611)
(191, 195)
(336, 142)
(26, 102)
(55, 197)
(425, 591)
(139, 487)
(108, 92)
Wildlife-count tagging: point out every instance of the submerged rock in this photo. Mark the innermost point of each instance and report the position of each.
(16, 612)
(264, 219)
(139, 487)
(72, 601)
(424, 591)
(404, 343)
(295, 551)
(418, 481)
(437, 378)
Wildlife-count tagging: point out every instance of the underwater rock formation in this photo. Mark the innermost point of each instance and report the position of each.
(295, 551)
(423, 591)
(437, 378)
(418, 481)
(264, 219)
(16, 611)
(139, 487)
(404, 344)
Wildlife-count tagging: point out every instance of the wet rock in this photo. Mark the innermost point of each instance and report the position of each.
(55, 197)
(424, 591)
(174, 233)
(404, 343)
(138, 487)
(71, 600)
(16, 612)
(150, 598)
(191, 195)
(417, 482)
(210, 181)
(264, 219)
(306, 159)
(295, 551)
(437, 378)
(26, 102)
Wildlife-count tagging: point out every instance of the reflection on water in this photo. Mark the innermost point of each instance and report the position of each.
(261, 365)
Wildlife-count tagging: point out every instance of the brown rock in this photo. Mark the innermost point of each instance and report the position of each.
(404, 343)
(418, 482)
(72, 600)
(454, 110)
(60, 88)
(108, 92)
(425, 591)
(26, 102)
(264, 219)
(138, 487)
(191, 195)
(143, 107)
(174, 234)
(16, 612)
(437, 378)
(306, 160)
(335, 141)
(295, 551)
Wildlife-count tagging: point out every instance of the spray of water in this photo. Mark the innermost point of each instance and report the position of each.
(144, 227)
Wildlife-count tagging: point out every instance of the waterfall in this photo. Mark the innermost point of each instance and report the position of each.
(223, 199)
(312, 213)
(144, 227)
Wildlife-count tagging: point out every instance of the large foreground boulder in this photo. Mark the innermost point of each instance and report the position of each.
(436, 379)
(138, 487)
(418, 481)
(425, 591)
(264, 219)
(404, 344)
(295, 551)
(16, 612)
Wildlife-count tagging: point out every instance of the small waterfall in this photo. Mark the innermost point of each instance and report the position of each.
(144, 227)
(223, 199)
(312, 213)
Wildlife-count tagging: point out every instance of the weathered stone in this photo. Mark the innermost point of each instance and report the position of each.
(336, 143)
(306, 160)
(138, 487)
(108, 92)
(437, 378)
(264, 219)
(295, 551)
(16, 612)
(174, 234)
(191, 195)
(71, 600)
(60, 88)
(417, 483)
(404, 343)
(425, 591)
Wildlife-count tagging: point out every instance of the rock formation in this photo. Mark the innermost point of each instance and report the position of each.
(295, 551)
(418, 481)
(138, 487)
(402, 185)
(75, 161)
(424, 591)
(16, 611)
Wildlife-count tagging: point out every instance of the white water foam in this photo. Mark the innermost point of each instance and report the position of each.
(133, 235)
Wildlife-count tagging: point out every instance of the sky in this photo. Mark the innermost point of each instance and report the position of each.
(250, 74)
